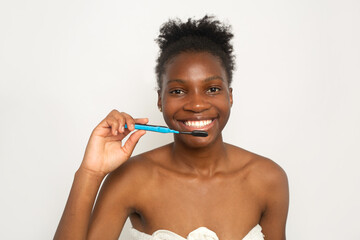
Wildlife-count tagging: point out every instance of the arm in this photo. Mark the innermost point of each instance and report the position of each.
(273, 220)
(115, 202)
(104, 153)
(75, 219)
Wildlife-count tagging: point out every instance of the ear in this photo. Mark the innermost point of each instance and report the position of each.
(159, 104)
(231, 96)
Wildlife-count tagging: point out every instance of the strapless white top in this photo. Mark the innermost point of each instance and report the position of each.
(202, 233)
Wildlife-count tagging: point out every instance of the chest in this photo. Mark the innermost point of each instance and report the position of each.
(224, 205)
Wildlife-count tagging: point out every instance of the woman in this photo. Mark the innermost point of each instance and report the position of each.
(195, 187)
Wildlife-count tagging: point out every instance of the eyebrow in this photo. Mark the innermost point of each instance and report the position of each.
(213, 78)
(205, 80)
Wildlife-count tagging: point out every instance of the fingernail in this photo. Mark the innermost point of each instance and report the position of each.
(116, 132)
(122, 129)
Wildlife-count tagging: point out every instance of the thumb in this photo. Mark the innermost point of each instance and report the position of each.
(132, 141)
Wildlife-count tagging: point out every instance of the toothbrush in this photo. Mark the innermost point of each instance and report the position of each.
(161, 129)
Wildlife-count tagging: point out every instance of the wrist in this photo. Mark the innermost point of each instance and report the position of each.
(90, 173)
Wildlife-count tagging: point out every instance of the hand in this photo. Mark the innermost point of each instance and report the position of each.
(105, 152)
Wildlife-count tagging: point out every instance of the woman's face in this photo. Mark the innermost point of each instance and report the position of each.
(195, 95)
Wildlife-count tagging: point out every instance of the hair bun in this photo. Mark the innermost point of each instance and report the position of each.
(206, 34)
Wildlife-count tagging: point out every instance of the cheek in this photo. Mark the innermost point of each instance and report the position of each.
(224, 108)
(169, 108)
(166, 106)
(171, 105)
(223, 103)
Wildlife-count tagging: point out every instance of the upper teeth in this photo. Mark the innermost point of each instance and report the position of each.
(198, 124)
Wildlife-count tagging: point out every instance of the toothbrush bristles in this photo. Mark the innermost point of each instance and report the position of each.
(196, 133)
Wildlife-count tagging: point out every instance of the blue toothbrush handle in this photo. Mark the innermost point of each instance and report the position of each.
(153, 128)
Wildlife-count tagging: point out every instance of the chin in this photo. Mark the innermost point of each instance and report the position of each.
(196, 142)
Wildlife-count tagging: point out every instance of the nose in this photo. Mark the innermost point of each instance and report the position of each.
(196, 103)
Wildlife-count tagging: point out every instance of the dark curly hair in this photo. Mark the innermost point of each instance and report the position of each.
(204, 35)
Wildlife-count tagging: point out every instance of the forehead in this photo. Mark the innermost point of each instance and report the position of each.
(193, 66)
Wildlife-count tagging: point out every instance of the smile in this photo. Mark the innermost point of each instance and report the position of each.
(197, 124)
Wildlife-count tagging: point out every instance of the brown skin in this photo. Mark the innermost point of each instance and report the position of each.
(184, 185)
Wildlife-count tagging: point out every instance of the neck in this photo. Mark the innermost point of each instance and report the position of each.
(204, 161)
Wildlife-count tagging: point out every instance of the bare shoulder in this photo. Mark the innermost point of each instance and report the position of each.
(260, 170)
(267, 172)
(268, 183)
(136, 172)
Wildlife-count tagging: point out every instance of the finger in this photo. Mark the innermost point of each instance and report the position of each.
(124, 134)
(120, 135)
(113, 124)
(141, 120)
(130, 122)
(105, 127)
(121, 121)
(119, 117)
(132, 141)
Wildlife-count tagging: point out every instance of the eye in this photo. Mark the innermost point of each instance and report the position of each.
(177, 92)
(213, 90)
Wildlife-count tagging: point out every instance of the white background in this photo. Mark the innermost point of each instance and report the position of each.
(65, 64)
